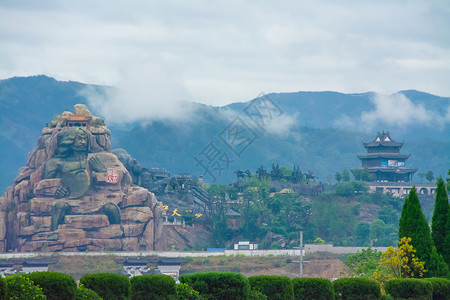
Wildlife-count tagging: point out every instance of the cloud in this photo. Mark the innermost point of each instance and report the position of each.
(395, 110)
(145, 92)
(282, 125)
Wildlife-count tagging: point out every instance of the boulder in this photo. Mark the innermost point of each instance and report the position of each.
(133, 229)
(130, 244)
(131, 215)
(86, 221)
(111, 231)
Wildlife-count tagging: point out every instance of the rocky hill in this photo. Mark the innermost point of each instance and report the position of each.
(73, 194)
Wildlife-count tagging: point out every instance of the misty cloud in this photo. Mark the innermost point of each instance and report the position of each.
(395, 110)
(145, 93)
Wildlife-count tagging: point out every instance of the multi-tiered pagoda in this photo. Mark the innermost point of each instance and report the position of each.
(384, 160)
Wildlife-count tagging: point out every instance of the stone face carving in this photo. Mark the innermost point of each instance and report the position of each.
(74, 195)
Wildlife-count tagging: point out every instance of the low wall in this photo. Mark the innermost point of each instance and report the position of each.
(309, 248)
(337, 250)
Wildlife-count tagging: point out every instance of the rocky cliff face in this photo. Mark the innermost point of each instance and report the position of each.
(74, 195)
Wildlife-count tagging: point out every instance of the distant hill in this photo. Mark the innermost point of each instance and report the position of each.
(318, 131)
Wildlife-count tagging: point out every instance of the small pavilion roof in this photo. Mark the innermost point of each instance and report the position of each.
(77, 118)
(232, 213)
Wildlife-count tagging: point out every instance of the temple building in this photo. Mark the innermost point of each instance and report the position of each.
(383, 160)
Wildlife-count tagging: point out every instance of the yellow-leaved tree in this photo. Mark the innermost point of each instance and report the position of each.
(399, 263)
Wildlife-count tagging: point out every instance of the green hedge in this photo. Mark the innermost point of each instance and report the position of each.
(109, 286)
(274, 287)
(356, 288)
(218, 285)
(409, 288)
(56, 286)
(83, 293)
(2, 288)
(23, 288)
(186, 292)
(441, 288)
(146, 287)
(312, 288)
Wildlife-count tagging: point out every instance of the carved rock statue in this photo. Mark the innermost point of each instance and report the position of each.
(74, 195)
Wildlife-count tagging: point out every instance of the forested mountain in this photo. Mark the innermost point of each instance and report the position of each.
(317, 131)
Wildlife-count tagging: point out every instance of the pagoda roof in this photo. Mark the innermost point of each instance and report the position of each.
(395, 170)
(384, 155)
(383, 139)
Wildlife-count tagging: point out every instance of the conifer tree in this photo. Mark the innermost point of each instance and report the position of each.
(414, 225)
(446, 253)
(438, 230)
(437, 266)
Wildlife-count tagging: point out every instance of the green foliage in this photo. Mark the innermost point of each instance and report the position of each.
(2, 288)
(441, 288)
(447, 239)
(146, 287)
(351, 187)
(108, 285)
(388, 214)
(338, 177)
(362, 234)
(362, 175)
(382, 234)
(275, 245)
(20, 287)
(429, 176)
(414, 225)
(409, 288)
(345, 175)
(256, 295)
(187, 216)
(56, 286)
(218, 285)
(356, 288)
(312, 288)
(439, 220)
(319, 241)
(363, 263)
(274, 287)
(333, 218)
(185, 292)
(437, 266)
(83, 293)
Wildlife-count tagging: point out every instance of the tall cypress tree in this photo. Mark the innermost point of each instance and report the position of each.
(438, 230)
(446, 253)
(414, 225)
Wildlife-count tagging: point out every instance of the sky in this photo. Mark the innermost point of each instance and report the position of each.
(218, 52)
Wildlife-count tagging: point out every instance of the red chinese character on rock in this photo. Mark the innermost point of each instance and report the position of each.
(112, 176)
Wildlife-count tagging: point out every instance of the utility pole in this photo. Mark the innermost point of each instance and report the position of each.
(301, 254)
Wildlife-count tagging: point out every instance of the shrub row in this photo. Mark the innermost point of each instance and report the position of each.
(219, 285)
(214, 285)
(422, 289)
(234, 286)
(56, 286)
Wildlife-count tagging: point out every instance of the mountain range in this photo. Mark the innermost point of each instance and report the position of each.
(317, 131)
